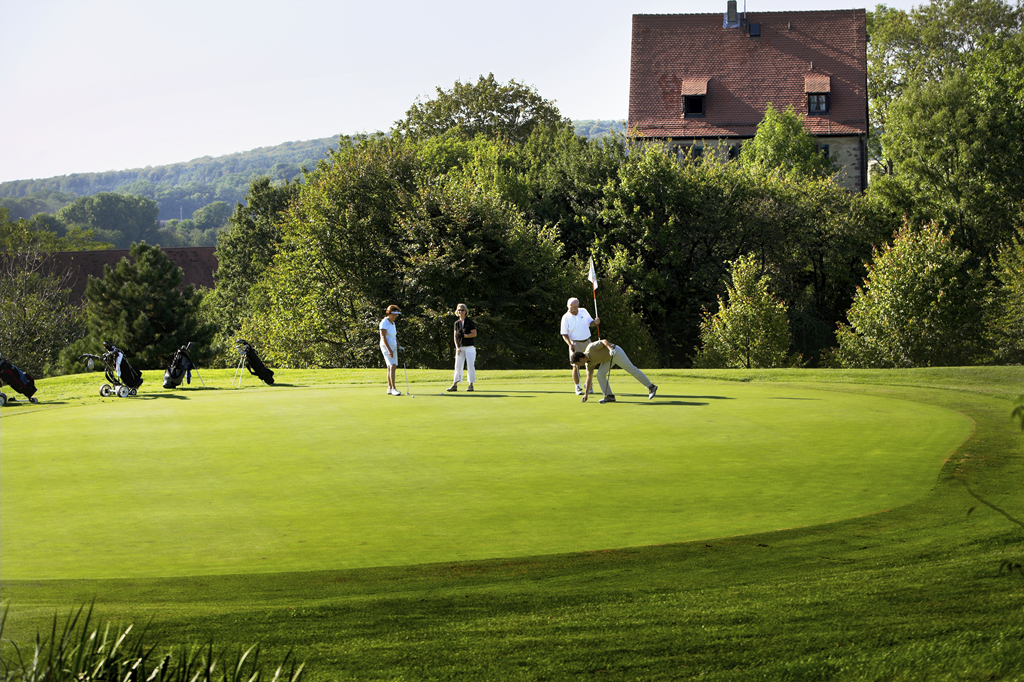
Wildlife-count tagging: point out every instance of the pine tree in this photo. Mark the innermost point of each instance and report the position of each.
(139, 307)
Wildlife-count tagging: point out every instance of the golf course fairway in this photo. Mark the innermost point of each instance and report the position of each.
(304, 476)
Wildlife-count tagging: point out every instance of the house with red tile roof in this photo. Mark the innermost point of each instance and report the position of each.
(704, 80)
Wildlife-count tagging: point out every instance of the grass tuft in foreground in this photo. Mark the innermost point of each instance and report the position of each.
(77, 652)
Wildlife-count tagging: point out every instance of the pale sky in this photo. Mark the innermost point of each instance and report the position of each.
(97, 85)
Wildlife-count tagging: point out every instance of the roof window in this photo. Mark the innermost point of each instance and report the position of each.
(694, 91)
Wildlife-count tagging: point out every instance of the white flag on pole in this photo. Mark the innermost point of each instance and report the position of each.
(593, 274)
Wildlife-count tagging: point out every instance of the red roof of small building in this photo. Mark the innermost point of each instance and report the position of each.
(197, 265)
(677, 54)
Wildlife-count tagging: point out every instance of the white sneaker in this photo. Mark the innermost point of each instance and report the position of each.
(579, 391)
(396, 392)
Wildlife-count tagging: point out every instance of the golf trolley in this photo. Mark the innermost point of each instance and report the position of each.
(251, 361)
(20, 381)
(124, 379)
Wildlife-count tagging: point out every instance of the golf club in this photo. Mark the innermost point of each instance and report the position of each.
(402, 349)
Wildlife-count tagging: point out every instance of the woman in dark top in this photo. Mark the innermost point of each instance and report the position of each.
(465, 347)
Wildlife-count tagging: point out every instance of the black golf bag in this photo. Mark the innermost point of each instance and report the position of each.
(181, 368)
(253, 363)
(124, 379)
(20, 381)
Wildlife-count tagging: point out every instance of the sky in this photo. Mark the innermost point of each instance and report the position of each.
(98, 85)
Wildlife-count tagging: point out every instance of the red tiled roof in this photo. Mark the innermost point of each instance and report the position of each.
(743, 74)
(817, 82)
(197, 265)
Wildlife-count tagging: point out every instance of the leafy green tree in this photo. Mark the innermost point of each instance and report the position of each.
(782, 142)
(928, 43)
(139, 307)
(1006, 314)
(37, 318)
(339, 260)
(563, 178)
(465, 244)
(118, 218)
(212, 215)
(920, 306)
(667, 231)
(947, 89)
(244, 252)
(750, 329)
(509, 111)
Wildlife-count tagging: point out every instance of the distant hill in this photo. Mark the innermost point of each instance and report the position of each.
(180, 189)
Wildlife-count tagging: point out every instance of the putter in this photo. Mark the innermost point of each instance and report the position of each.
(406, 373)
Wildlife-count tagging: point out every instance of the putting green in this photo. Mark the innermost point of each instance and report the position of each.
(299, 478)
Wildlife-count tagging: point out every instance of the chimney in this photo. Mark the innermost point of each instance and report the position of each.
(732, 17)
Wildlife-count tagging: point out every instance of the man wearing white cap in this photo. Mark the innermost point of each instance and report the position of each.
(575, 330)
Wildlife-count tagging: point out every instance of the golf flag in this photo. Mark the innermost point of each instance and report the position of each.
(593, 280)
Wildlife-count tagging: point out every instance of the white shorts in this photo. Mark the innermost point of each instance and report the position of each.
(388, 359)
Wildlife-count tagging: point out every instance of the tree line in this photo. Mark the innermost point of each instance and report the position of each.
(485, 195)
(182, 189)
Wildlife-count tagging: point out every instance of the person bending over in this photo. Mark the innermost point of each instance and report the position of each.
(601, 355)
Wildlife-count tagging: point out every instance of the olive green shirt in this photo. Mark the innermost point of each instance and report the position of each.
(597, 353)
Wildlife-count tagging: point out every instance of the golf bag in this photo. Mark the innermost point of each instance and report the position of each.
(20, 381)
(251, 361)
(181, 368)
(124, 379)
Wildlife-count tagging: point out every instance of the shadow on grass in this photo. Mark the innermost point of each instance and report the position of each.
(156, 396)
(474, 394)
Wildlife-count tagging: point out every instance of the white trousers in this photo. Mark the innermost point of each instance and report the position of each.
(467, 356)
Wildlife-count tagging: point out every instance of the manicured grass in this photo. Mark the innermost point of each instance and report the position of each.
(313, 477)
(911, 593)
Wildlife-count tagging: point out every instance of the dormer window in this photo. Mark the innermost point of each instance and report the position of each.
(817, 104)
(818, 87)
(694, 93)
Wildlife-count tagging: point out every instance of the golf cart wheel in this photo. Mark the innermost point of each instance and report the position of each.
(34, 401)
(105, 390)
(122, 391)
(3, 399)
(133, 391)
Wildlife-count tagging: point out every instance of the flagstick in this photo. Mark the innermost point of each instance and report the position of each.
(596, 315)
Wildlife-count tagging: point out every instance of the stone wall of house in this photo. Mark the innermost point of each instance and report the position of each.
(848, 153)
(845, 150)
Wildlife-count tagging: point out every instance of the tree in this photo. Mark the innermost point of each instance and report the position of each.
(510, 111)
(751, 329)
(37, 318)
(782, 142)
(245, 250)
(667, 231)
(138, 307)
(947, 88)
(920, 306)
(211, 216)
(1006, 314)
(425, 225)
(118, 218)
(927, 43)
